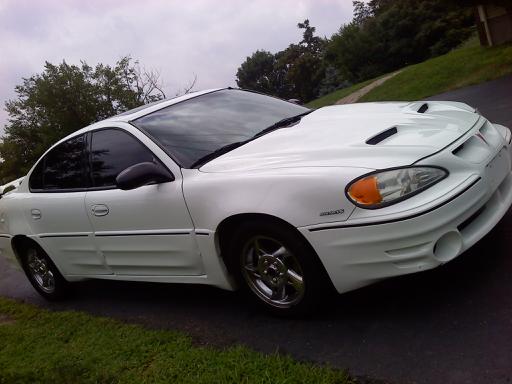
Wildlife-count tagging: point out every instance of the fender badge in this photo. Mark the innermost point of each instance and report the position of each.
(335, 212)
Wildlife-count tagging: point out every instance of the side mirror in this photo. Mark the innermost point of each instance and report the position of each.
(141, 174)
(6, 189)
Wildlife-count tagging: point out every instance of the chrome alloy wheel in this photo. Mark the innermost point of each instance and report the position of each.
(272, 272)
(40, 271)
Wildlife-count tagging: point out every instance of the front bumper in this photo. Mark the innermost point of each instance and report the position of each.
(358, 255)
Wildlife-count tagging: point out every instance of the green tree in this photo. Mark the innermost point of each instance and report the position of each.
(362, 12)
(64, 98)
(306, 67)
(295, 72)
(389, 34)
(501, 3)
(261, 72)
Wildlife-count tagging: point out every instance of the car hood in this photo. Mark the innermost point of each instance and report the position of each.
(365, 135)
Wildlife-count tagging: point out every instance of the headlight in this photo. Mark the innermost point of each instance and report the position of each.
(383, 188)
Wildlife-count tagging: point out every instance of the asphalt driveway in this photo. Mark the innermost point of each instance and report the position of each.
(449, 325)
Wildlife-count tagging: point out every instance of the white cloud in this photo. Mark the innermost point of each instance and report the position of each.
(209, 38)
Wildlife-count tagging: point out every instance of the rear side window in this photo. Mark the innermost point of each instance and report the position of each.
(112, 151)
(63, 168)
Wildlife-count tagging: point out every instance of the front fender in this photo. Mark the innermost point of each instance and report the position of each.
(300, 196)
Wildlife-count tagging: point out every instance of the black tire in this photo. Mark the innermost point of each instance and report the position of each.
(301, 261)
(38, 268)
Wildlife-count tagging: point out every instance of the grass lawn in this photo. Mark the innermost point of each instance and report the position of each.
(333, 97)
(40, 346)
(467, 65)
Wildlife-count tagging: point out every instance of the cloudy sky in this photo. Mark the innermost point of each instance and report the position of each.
(209, 38)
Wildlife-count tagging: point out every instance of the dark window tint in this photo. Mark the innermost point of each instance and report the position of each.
(197, 127)
(112, 152)
(36, 177)
(63, 167)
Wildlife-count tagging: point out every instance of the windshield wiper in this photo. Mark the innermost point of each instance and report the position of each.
(220, 151)
(286, 122)
(229, 147)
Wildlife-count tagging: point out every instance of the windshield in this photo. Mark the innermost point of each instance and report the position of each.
(195, 128)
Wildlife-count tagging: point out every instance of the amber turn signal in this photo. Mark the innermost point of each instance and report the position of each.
(386, 187)
(365, 191)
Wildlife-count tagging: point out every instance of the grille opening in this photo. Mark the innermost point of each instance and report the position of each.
(474, 150)
(423, 108)
(470, 219)
(382, 136)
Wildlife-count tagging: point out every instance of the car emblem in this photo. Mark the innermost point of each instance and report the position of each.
(334, 212)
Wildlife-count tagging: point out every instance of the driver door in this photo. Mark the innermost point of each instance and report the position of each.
(145, 231)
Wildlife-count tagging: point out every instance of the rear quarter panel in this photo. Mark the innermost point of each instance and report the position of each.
(12, 223)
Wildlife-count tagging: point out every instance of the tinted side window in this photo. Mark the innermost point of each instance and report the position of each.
(36, 177)
(63, 167)
(112, 152)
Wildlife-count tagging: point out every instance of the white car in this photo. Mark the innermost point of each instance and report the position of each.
(240, 190)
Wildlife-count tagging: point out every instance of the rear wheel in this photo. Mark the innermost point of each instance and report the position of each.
(277, 268)
(42, 273)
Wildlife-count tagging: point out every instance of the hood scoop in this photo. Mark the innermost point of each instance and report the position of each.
(423, 108)
(382, 136)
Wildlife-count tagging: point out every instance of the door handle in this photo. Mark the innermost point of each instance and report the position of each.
(36, 214)
(99, 210)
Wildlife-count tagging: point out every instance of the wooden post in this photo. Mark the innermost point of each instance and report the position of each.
(483, 18)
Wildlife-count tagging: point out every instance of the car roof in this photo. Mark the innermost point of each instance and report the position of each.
(151, 107)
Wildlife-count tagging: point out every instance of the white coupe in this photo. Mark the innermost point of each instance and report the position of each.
(240, 190)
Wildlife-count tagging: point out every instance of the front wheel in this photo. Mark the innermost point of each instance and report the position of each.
(277, 268)
(42, 273)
